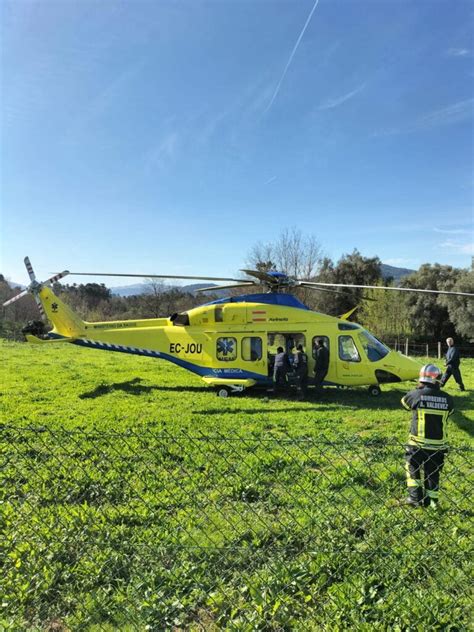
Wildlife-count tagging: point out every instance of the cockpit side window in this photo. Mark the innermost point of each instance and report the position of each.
(348, 350)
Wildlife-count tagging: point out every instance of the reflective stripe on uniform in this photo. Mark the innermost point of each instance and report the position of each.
(412, 482)
(420, 439)
(431, 444)
(404, 404)
(421, 424)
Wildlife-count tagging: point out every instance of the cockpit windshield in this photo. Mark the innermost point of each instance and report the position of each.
(373, 348)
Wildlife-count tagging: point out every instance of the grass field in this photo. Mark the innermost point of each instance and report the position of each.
(134, 498)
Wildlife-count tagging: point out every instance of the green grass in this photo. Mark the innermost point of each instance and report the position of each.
(132, 496)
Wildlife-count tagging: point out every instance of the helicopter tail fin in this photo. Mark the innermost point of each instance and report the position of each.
(347, 315)
(65, 322)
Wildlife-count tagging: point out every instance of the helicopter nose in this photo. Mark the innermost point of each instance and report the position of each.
(403, 366)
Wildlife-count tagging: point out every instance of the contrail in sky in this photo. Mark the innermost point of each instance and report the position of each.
(290, 58)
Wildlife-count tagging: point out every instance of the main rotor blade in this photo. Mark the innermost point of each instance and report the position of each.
(226, 287)
(158, 276)
(322, 289)
(385, 287)
(56, 277)
(15, 298)
(29, 269)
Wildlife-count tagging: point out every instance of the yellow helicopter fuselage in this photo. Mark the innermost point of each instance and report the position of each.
(232, 342)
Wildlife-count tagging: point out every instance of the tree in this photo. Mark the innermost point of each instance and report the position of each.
(153, 297)
(297, 255)
(293, 253)
(90, 300)
(352, 269)
(429, 313)
(15, 316)
(461, 308)
(386, 316)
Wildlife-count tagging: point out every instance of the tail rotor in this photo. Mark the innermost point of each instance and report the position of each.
(35, 287)
(15, 298)
(29, 269)
(32, 275)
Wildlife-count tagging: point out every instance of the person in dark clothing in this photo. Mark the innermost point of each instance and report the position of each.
(300, 366)
(322, 363)
(280, 369)
(427, 444)
(452, 361)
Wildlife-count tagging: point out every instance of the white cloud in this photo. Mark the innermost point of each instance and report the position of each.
(453, 231)
(458, 52)
(449, 115)
(164, 152)
(336, 102)
(462, 249)
(270, 180)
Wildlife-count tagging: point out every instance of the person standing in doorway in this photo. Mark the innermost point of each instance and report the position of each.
(321, 366)
(300, 365)
(452, 361)
(280, 369)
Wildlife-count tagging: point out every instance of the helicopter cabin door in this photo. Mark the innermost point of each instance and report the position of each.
(288, 341)
(350, 368)
(331, 374)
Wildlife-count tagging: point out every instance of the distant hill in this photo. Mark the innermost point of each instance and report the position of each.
(12, 284)
(144, 288)
(130, 290)
(395, 273)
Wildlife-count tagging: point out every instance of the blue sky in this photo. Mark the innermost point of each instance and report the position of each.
(170, 136)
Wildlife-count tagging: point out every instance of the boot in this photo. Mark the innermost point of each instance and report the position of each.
(411, 502)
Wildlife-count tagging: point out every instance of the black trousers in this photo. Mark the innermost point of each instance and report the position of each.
(455, 372)
(319, 376)
(302, 381)
(279, 377)
(423, 490)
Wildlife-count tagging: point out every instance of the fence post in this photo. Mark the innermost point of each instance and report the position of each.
(406, 346)
(427, 350)
(439, 350)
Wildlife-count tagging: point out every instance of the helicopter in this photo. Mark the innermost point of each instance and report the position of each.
(231, 342)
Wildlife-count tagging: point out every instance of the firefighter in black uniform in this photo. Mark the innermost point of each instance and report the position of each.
(427, 444)
(452, 361)
(321, 365)
(300, 365)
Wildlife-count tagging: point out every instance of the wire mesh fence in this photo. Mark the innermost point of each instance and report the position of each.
(190, 531)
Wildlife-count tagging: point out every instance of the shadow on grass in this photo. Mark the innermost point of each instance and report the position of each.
(331, 399)
(462, 422)
(135, 387)
(256, 411)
